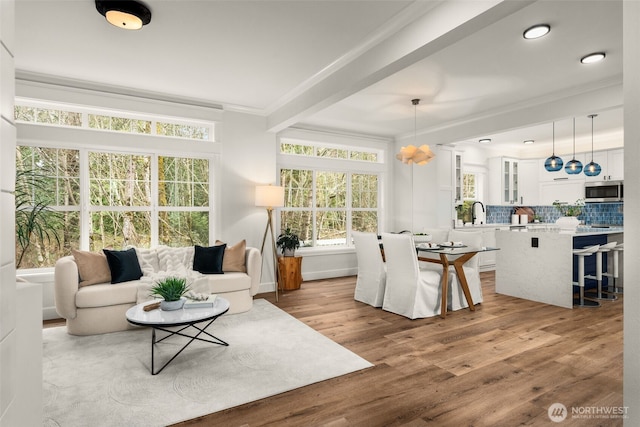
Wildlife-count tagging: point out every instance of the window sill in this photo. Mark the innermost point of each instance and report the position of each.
(322, 251)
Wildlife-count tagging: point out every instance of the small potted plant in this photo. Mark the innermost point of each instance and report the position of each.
(288, 242)
(170, 290)
(569, 214)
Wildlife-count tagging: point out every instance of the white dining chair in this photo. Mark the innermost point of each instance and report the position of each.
(411, 291)
(372, 274)
(471, 270)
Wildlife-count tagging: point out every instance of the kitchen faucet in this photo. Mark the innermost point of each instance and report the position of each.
(473, 212)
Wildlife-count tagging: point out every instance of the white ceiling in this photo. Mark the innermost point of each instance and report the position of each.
(355, 65)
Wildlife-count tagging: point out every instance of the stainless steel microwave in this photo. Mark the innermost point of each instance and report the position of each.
(604, 191)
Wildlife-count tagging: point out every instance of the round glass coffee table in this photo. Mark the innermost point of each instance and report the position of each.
(161, 320)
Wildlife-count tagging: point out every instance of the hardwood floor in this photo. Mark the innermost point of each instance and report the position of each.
(502, 365)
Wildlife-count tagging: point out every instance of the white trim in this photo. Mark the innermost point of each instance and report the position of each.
(67, 91)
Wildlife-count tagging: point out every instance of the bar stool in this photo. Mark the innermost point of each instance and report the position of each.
(599, 294)
(581, 254)
(616, 251)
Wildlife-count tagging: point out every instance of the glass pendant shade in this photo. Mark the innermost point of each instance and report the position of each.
(553, 163)
(592, 169)
(573, 167)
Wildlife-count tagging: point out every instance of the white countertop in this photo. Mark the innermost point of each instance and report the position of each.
(580, 231)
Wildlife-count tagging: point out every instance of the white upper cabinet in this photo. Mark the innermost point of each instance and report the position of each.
(503, 181)
(529, 182)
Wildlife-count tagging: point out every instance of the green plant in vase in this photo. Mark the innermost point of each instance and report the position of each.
(170, 290)
(567, 209)
(288, 242)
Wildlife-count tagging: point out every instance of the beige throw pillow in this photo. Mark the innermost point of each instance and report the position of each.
(92, 267)
(234, 257)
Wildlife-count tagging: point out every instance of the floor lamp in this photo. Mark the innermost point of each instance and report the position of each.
(270, 197)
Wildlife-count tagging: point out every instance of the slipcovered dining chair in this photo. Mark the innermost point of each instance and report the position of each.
(471, 270)
(372, 274)
(411, 291)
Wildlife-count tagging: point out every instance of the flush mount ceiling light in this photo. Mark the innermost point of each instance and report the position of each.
(553, 163)
(484, 141)
(593, 57)
(592, 168)
(528, 141)
(127, 14)
(536, 31)
(573, 166)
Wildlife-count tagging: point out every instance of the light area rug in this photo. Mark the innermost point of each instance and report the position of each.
(104, 380)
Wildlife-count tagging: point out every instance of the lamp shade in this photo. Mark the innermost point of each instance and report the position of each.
(418, 155)
(270, 196)
(553, 163)
(592, 169)
(573, 167)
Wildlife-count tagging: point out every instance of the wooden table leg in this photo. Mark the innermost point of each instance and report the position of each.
(444, 285)
(457, 264)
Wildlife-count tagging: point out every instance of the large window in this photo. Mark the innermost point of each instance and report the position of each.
(332, 187)
(123, 207)
(323, 206)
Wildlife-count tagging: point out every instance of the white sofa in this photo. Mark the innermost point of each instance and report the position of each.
(100, 308)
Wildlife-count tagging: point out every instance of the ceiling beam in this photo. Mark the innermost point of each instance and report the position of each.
(437, 29)
(607, 96)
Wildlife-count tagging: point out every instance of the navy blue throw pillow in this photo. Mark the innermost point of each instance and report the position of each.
(209, 260)
(124, 265)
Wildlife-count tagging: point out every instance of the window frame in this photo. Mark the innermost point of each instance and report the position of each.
(86, 140)
(347, 166)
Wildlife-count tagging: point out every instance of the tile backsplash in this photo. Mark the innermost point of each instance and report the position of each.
(592, 213)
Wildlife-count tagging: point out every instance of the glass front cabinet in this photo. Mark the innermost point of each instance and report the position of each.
(503, 178)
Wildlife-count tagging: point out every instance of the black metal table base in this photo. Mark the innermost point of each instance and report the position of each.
(192, 338)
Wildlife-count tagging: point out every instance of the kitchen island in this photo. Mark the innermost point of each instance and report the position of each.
(538, 264)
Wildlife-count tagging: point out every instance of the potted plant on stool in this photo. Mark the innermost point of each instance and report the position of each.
(171, 290)
(288, 242)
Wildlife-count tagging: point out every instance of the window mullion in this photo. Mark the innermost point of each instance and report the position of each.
(85, 199)
(155, 224)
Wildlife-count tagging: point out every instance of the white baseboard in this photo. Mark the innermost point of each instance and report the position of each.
(315, 275)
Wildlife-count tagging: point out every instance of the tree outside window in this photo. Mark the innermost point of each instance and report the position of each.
(469, 195)
(120, 205)
(322, 207)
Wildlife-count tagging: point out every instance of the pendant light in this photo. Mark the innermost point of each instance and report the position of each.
(553, 163)
(411, 153)
(573, 167)
(592, 168)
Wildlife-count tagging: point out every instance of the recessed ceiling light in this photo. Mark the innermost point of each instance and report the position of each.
(484, 141)
(536, 31)
(528, 141)
(593, 57)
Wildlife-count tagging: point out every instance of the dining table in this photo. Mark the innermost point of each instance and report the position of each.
(456, 255)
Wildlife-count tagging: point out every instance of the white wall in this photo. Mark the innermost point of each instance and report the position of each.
(248, 159)
(20, 345)
(631, 42)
